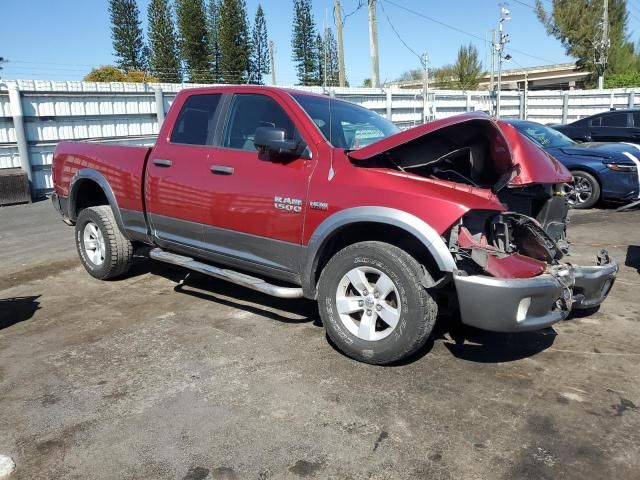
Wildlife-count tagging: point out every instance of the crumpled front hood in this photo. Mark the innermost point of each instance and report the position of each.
(509, 149)
(536, 165)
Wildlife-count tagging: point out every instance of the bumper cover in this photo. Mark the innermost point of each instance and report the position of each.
(522, 304)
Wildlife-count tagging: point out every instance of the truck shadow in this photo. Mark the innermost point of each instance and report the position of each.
(480, 346)
(17, 309)
(471, 344)
(225, 293)
(463, 342)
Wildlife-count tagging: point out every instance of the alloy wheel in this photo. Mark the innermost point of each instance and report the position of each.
(368, 303)
(93, 243)
(579, 192)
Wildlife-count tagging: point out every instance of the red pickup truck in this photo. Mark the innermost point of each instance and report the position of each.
(302, 195)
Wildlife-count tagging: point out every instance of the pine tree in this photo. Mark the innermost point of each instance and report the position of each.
(304, 43)
(259, 49)
(126, 33)
(213, 23)
(164, 62)
(333, 65)
(193, 41)
(235, 47)
(319, 61)
(468, 68)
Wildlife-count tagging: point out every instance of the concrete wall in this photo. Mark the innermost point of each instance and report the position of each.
(35, 115)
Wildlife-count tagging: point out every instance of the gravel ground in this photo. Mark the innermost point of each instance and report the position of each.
(148, 377)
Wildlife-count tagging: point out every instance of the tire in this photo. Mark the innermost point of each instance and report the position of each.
(586, 198)
(113, 253)
(407, 303)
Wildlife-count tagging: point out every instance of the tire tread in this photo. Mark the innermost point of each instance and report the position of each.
(120, 247)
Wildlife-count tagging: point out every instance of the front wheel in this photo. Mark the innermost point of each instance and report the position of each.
(584, 192)
(373, 305)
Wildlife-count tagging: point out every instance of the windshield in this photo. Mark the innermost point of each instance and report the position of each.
(343, 124)
(544, 136)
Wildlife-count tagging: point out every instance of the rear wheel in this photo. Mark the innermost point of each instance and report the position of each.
(584, 192)
(104, 251)
(373, 305)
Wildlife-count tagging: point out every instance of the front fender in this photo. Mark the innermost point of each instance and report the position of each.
(413, 225)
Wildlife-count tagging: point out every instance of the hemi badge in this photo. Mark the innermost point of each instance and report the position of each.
(319, 205)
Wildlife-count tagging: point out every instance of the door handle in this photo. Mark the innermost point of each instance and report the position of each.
(161, 162)
(221, 170)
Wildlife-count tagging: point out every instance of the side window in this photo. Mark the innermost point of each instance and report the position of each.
(250, 111)
(636, 120)
(194, 125)
(596, 122)
(615, 120)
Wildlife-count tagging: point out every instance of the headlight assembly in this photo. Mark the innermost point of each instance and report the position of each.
(621, 167)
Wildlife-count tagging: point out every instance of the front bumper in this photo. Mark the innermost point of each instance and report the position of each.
(522, 304)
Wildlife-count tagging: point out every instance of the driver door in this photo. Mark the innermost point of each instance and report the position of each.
(259, 205)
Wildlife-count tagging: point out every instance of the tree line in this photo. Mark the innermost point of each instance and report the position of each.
(211, 41)
(464, 73)
(190, 40)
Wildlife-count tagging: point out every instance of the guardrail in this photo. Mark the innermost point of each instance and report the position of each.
(35, 115)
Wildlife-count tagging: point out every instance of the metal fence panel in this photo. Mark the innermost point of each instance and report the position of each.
(126, 113)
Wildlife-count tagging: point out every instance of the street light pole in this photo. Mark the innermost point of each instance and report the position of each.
(502, 40)
(425, 87)
(373, 44)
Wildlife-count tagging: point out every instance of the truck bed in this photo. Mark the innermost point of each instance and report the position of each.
(122, 167)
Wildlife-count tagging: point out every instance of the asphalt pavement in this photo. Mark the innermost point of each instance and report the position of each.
(161, 376)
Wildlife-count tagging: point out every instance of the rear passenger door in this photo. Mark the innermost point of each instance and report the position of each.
(258, 204)
(177, 198)
(611, 127)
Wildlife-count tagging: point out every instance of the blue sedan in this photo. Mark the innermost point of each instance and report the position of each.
(607, 171)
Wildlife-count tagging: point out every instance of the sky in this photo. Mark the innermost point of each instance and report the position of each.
(63, 39)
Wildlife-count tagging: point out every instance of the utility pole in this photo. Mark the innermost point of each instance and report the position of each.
(493, 59)
(338, 14)
(272, 61)
(604, 44)
(425, 87)
(502, 40)
(373, 44)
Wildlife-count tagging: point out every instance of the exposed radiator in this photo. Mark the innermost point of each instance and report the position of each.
(14, 186)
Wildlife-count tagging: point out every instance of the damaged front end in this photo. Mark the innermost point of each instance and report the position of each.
(510, 276)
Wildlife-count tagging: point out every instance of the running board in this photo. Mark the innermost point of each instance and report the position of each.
(231, 276)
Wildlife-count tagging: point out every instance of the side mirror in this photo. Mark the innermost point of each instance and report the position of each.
(272, 141)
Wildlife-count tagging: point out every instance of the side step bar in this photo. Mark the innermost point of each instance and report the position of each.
(231, 276)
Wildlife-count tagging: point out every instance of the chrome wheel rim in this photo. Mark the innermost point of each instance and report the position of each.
(93, 243)
(368, 303)
(579, 192)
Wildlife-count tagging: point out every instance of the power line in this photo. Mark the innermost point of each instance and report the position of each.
(420, 57)
(361, 3)
(631, 13)
(633, 6)
(464, 32)
(532, 7)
